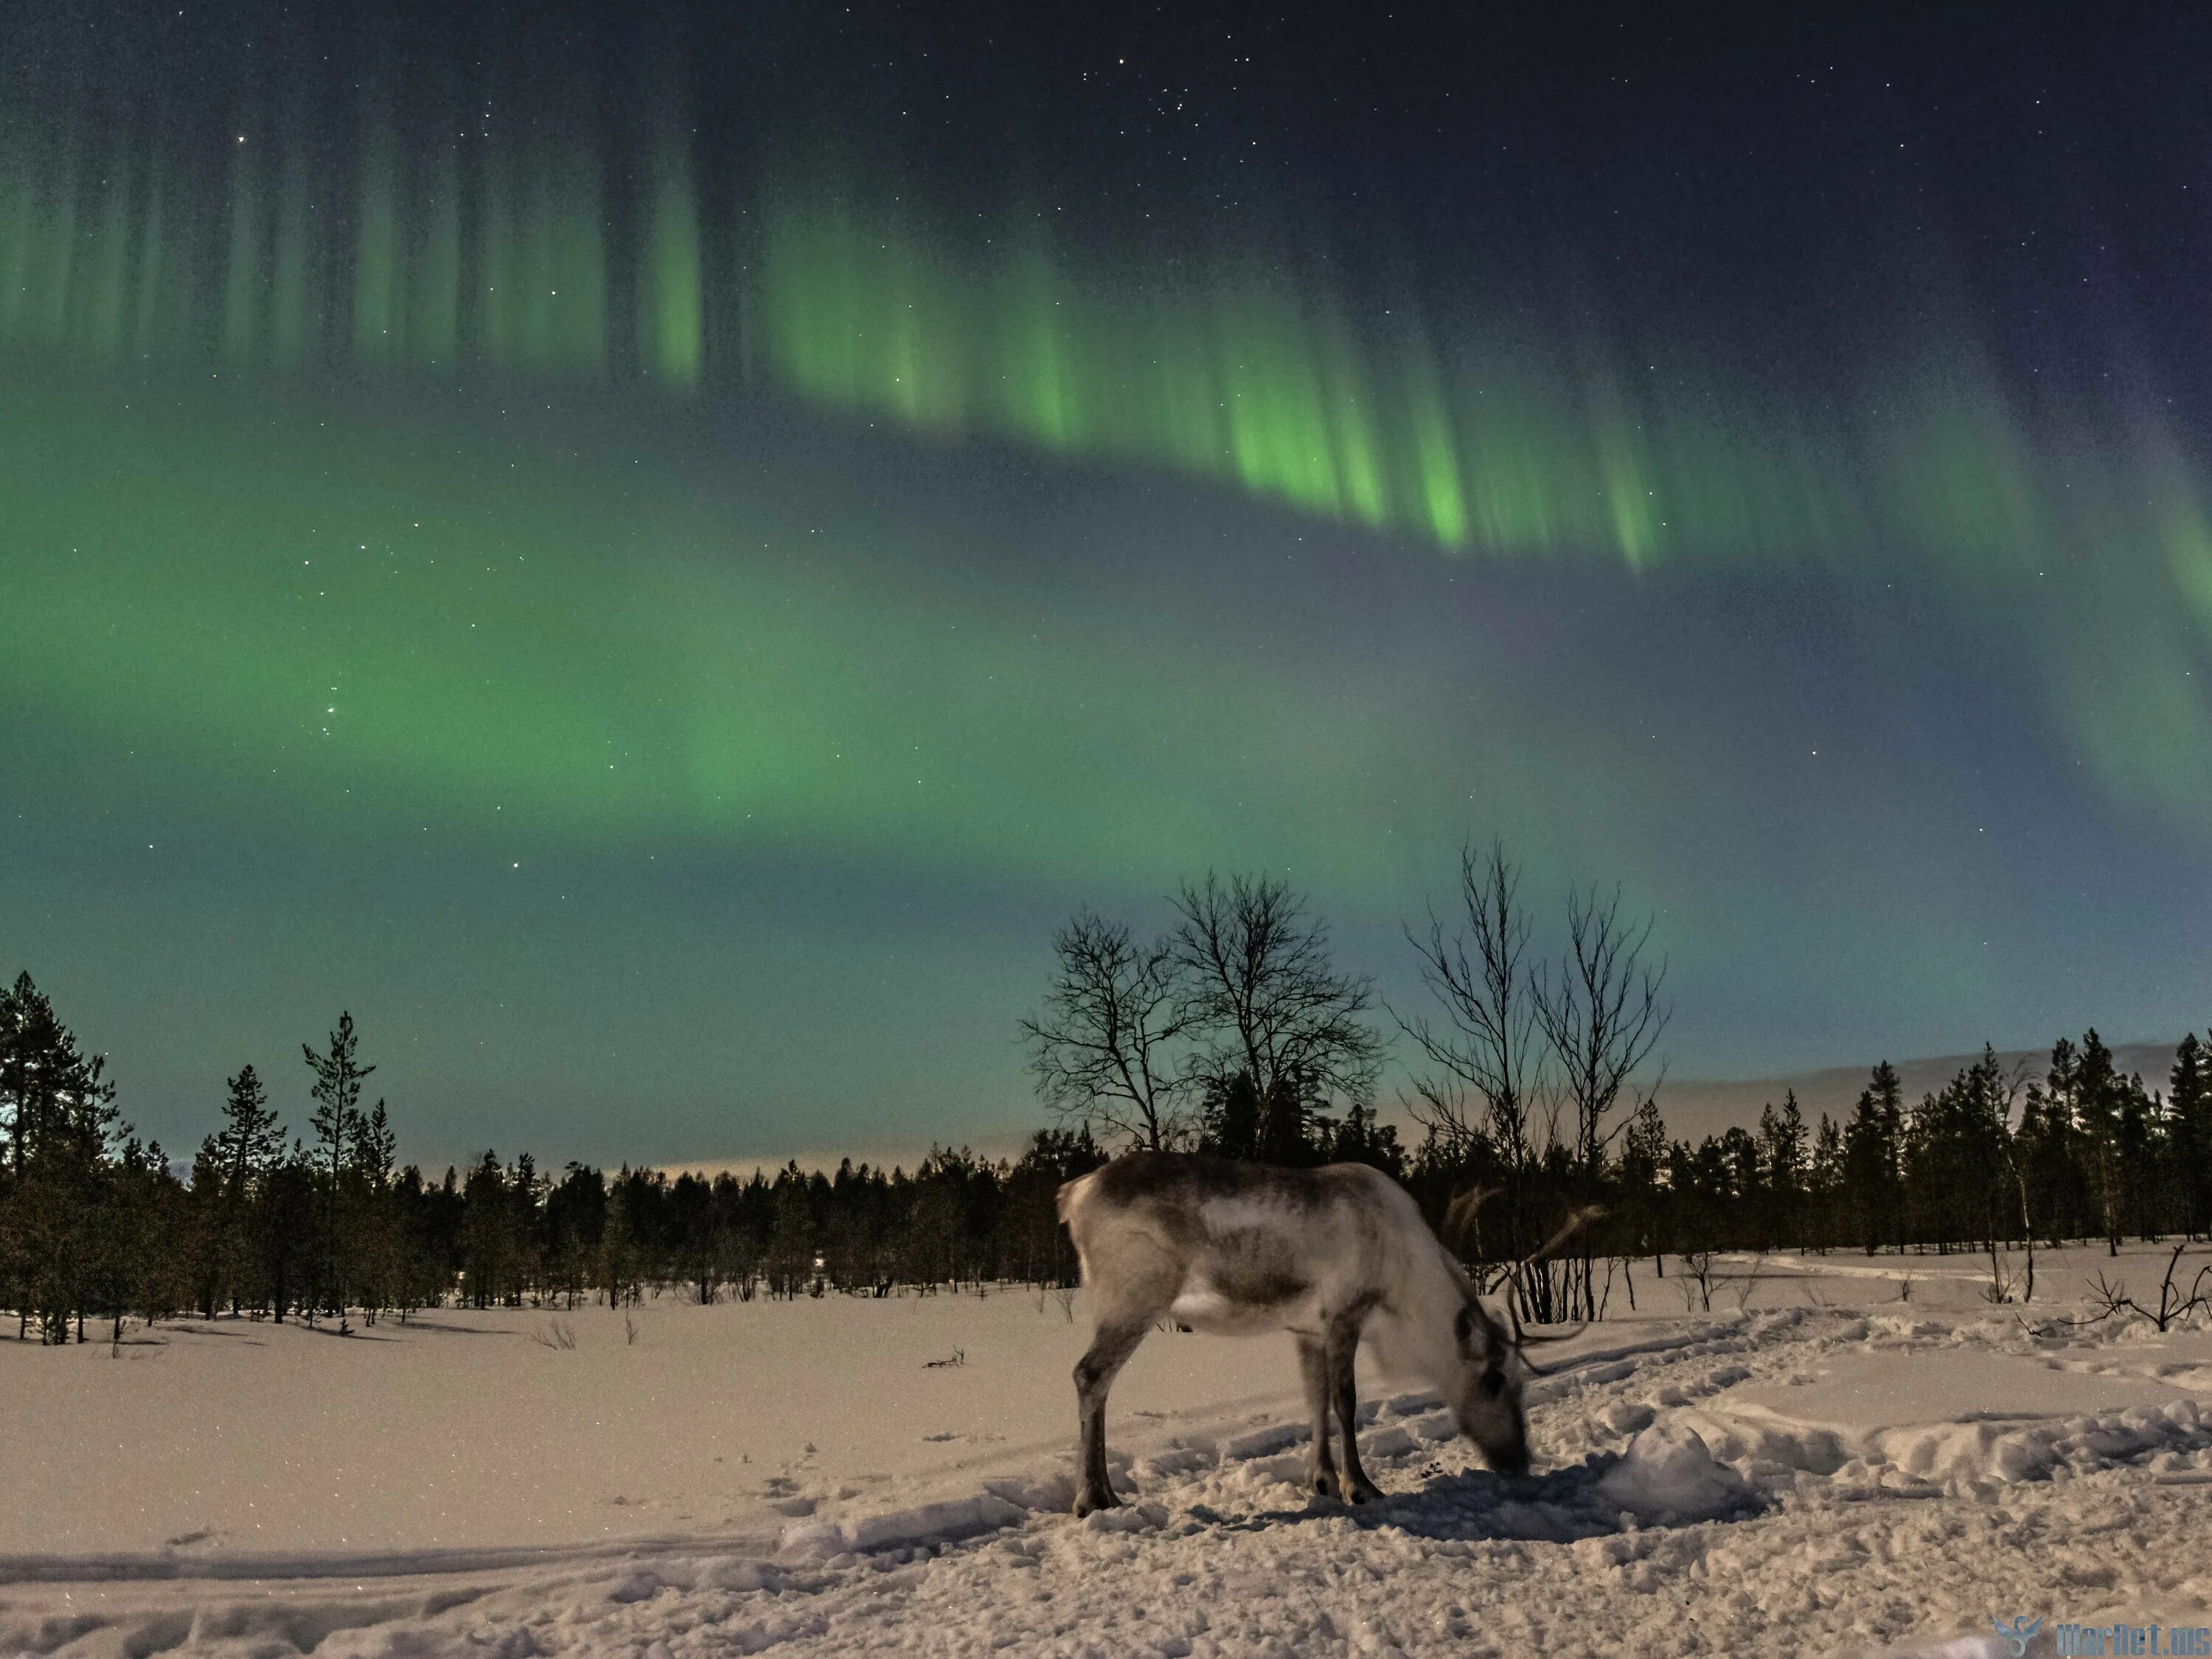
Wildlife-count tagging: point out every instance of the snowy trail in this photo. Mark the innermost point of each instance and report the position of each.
(1813, 1481)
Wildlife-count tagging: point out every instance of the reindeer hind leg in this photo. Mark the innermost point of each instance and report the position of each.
(1313, 1370)
(1343, 1347)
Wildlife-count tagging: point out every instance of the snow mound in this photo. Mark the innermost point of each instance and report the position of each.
(926, 1524)
(1175, 1460)
(1131, 1518)
(1950, 1418)
(1668, 1476)
(1050, 1494)
(1264, 1442)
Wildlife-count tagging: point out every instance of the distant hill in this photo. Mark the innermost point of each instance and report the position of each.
(1696, 1107)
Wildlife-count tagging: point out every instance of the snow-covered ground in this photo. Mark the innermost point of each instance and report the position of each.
(1865, 1457)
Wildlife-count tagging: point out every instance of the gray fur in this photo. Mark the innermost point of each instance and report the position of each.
(1244, 1248)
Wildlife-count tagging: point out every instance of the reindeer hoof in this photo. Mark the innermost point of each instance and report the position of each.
(1325, 1484)
(1086, 1503)
(1364, 1492)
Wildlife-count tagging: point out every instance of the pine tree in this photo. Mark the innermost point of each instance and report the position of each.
(2100, 1096)
(1358, 1139)
(1231, 1118)
(1746, 1184)
(289, 1232)
(1825, 1181)
(62, 1127)
(375, 1146)
(2190, 1142)
(620, 1269)
(1954, 1163)
(2142, 1127)
(489, 1246)
(1643, 1158)
(1873, 1147)
(337, 1093)
(791, 1250)
(2043, 1151)
(1781, 1150)
(575, 1221)
(133, 1261)
(377, 1232)
(237, 1159)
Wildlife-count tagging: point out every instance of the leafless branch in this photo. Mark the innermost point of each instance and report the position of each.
(2173, 1303)
(1601, 1013)
(1487, 1042)
(1256, 973)
(1105, 1046)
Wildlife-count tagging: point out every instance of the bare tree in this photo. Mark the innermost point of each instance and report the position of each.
(2111, 1300)
(2009, 1150)
(1256, 976)
(1105, 1045)
(1488, 1042)
(1600, 1015)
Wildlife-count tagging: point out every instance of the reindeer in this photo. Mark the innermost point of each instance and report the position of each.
(1240, 1250)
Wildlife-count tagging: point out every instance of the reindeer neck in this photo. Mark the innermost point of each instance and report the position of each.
(1432, 1290)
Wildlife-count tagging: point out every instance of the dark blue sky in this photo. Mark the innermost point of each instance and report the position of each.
(653, 557)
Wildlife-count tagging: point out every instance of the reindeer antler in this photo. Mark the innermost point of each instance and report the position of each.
(1460, 1217)
(1576, 1221)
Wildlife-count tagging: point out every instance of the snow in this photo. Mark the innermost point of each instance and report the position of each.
(2006, 1417)
(460, 1432)
(1837, 1471)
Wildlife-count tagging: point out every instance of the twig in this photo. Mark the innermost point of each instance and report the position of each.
(1750, 1282)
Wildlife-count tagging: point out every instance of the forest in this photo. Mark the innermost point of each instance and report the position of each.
(1234, 1034)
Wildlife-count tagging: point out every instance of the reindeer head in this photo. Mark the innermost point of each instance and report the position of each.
(1484, 1390)
(1484, 1395)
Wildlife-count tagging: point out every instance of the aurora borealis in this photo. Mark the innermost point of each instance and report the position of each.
(603, 543)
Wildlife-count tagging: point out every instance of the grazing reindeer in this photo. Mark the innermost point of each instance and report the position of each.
(1243, 1249)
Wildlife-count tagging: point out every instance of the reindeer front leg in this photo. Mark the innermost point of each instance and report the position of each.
(1342, 1348)
(1313, 1368)
(1110, 1348)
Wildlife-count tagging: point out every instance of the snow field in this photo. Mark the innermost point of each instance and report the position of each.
(1866, 1476)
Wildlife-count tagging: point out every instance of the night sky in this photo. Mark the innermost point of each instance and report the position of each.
(654, 553)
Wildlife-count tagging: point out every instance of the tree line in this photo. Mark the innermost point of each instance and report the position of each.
(1234, 1032)
(97, 1224)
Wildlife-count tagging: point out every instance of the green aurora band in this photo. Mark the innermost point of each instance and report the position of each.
(413, 255)
(519, 259)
